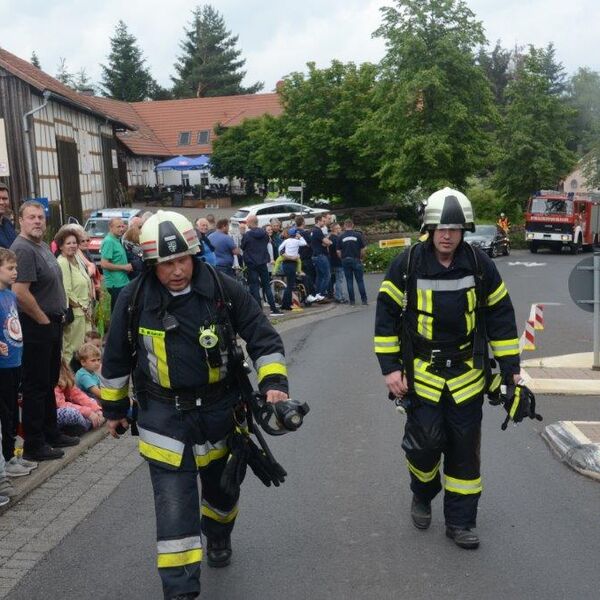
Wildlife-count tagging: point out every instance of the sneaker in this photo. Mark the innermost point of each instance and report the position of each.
(6, 488)
(318, 297)
(311, 298)
(4, 500)
(28, 464)
(15, 469)
(45, 452)
(276, 313)
(64, 441)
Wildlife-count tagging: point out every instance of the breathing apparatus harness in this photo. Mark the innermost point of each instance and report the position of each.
(275, 419)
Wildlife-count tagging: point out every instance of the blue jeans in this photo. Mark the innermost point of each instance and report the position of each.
(353, 267)
(338, 285)
(323, 270)
(289, 271)
(258, 277)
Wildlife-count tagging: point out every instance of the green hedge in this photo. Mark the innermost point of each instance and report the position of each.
(378, 259)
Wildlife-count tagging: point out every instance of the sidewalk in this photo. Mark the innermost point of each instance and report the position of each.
(570, 374)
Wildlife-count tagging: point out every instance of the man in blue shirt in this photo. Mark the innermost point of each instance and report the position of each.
(320, 243)
(225, 247)
(207, 252)
(7, 231)
(351, 249)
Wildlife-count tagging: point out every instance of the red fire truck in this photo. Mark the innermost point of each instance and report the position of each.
(555, 220)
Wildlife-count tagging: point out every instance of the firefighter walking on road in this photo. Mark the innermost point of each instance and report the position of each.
(178, 356)
(440, 305)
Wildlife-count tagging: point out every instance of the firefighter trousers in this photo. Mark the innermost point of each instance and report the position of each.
(454, 431)
(181, 513)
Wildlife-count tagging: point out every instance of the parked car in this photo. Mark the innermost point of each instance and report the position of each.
(490, 238)
(284, 210)
(97, 225)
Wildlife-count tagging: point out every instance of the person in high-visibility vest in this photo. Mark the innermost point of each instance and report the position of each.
(503, 222)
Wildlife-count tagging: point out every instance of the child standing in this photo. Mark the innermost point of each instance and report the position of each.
(87, 378)
(11, 351)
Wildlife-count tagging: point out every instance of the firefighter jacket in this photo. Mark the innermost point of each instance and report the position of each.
(173, 357)
(441, 309)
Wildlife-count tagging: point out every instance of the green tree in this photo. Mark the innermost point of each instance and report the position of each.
(434, 104)
(81, 81)
(210, 64)
(35, 61)
(535, 132)
(126, 77)
(584, 97)
(236, 152)
(496, 65)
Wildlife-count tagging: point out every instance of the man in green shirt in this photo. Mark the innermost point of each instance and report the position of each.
(113, 260)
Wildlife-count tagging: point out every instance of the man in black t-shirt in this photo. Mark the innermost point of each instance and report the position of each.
(351, 249)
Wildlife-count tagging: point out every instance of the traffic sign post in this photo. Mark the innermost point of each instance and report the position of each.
(584, 283)
(298, 188)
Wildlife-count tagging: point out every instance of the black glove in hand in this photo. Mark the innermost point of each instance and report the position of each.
(519, 403)
(235, 469)
(269, 472)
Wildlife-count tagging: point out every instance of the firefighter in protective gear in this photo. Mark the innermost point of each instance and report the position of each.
(439, 306)
(185, 392)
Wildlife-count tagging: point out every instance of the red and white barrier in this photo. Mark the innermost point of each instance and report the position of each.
(539, 317)
(527, 341)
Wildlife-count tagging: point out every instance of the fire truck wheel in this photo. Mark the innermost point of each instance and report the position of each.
(576, 247)
(533, 248)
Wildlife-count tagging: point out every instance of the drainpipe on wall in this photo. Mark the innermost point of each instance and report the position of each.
(28, 157)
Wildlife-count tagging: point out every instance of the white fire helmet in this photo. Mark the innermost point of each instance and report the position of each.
(167, 235)
(448, 209)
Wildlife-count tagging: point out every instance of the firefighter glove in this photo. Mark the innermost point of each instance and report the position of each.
(519, 403)
(268, 471)
(235, 469)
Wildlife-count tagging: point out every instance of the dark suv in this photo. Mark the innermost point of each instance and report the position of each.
(490, 238)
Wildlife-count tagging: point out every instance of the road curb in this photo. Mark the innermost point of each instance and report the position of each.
(573, 447)
(562, 387)
(46, 469)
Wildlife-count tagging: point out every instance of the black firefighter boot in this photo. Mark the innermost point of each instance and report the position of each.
(463, 537)
(420, 512)
(218, 552)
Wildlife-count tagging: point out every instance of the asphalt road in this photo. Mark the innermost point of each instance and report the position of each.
(339, 527)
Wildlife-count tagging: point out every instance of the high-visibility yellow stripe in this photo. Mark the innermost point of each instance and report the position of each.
(464, 379)
(219, 517)
(113, 395)
(497, 295)
(395, 293)
(471, 297)
(495, 383)
(158, 344)
(152, 332)
(505, 347)
(160, 454)
(214, 374)
(468, 392)
(271, 369)
(204, 460)
(516, 402)
(424, 476)
(179, 559)
(421, 373)
(425, 326)
(425, 301)
(463, 486)
(469, 322)
(386, 344)
(427, 392)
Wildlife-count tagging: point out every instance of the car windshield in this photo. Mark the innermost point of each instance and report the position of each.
(480, 230)
(241, 214)
(97, 227)
(551, 207)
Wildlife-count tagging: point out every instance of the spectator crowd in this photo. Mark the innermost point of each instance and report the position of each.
(50, 352)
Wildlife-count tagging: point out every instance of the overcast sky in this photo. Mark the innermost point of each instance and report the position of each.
(276, 37)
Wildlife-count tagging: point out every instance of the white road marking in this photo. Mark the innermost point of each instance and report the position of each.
(527, 264)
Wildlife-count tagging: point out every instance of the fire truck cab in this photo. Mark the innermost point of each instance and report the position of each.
(556, 220)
